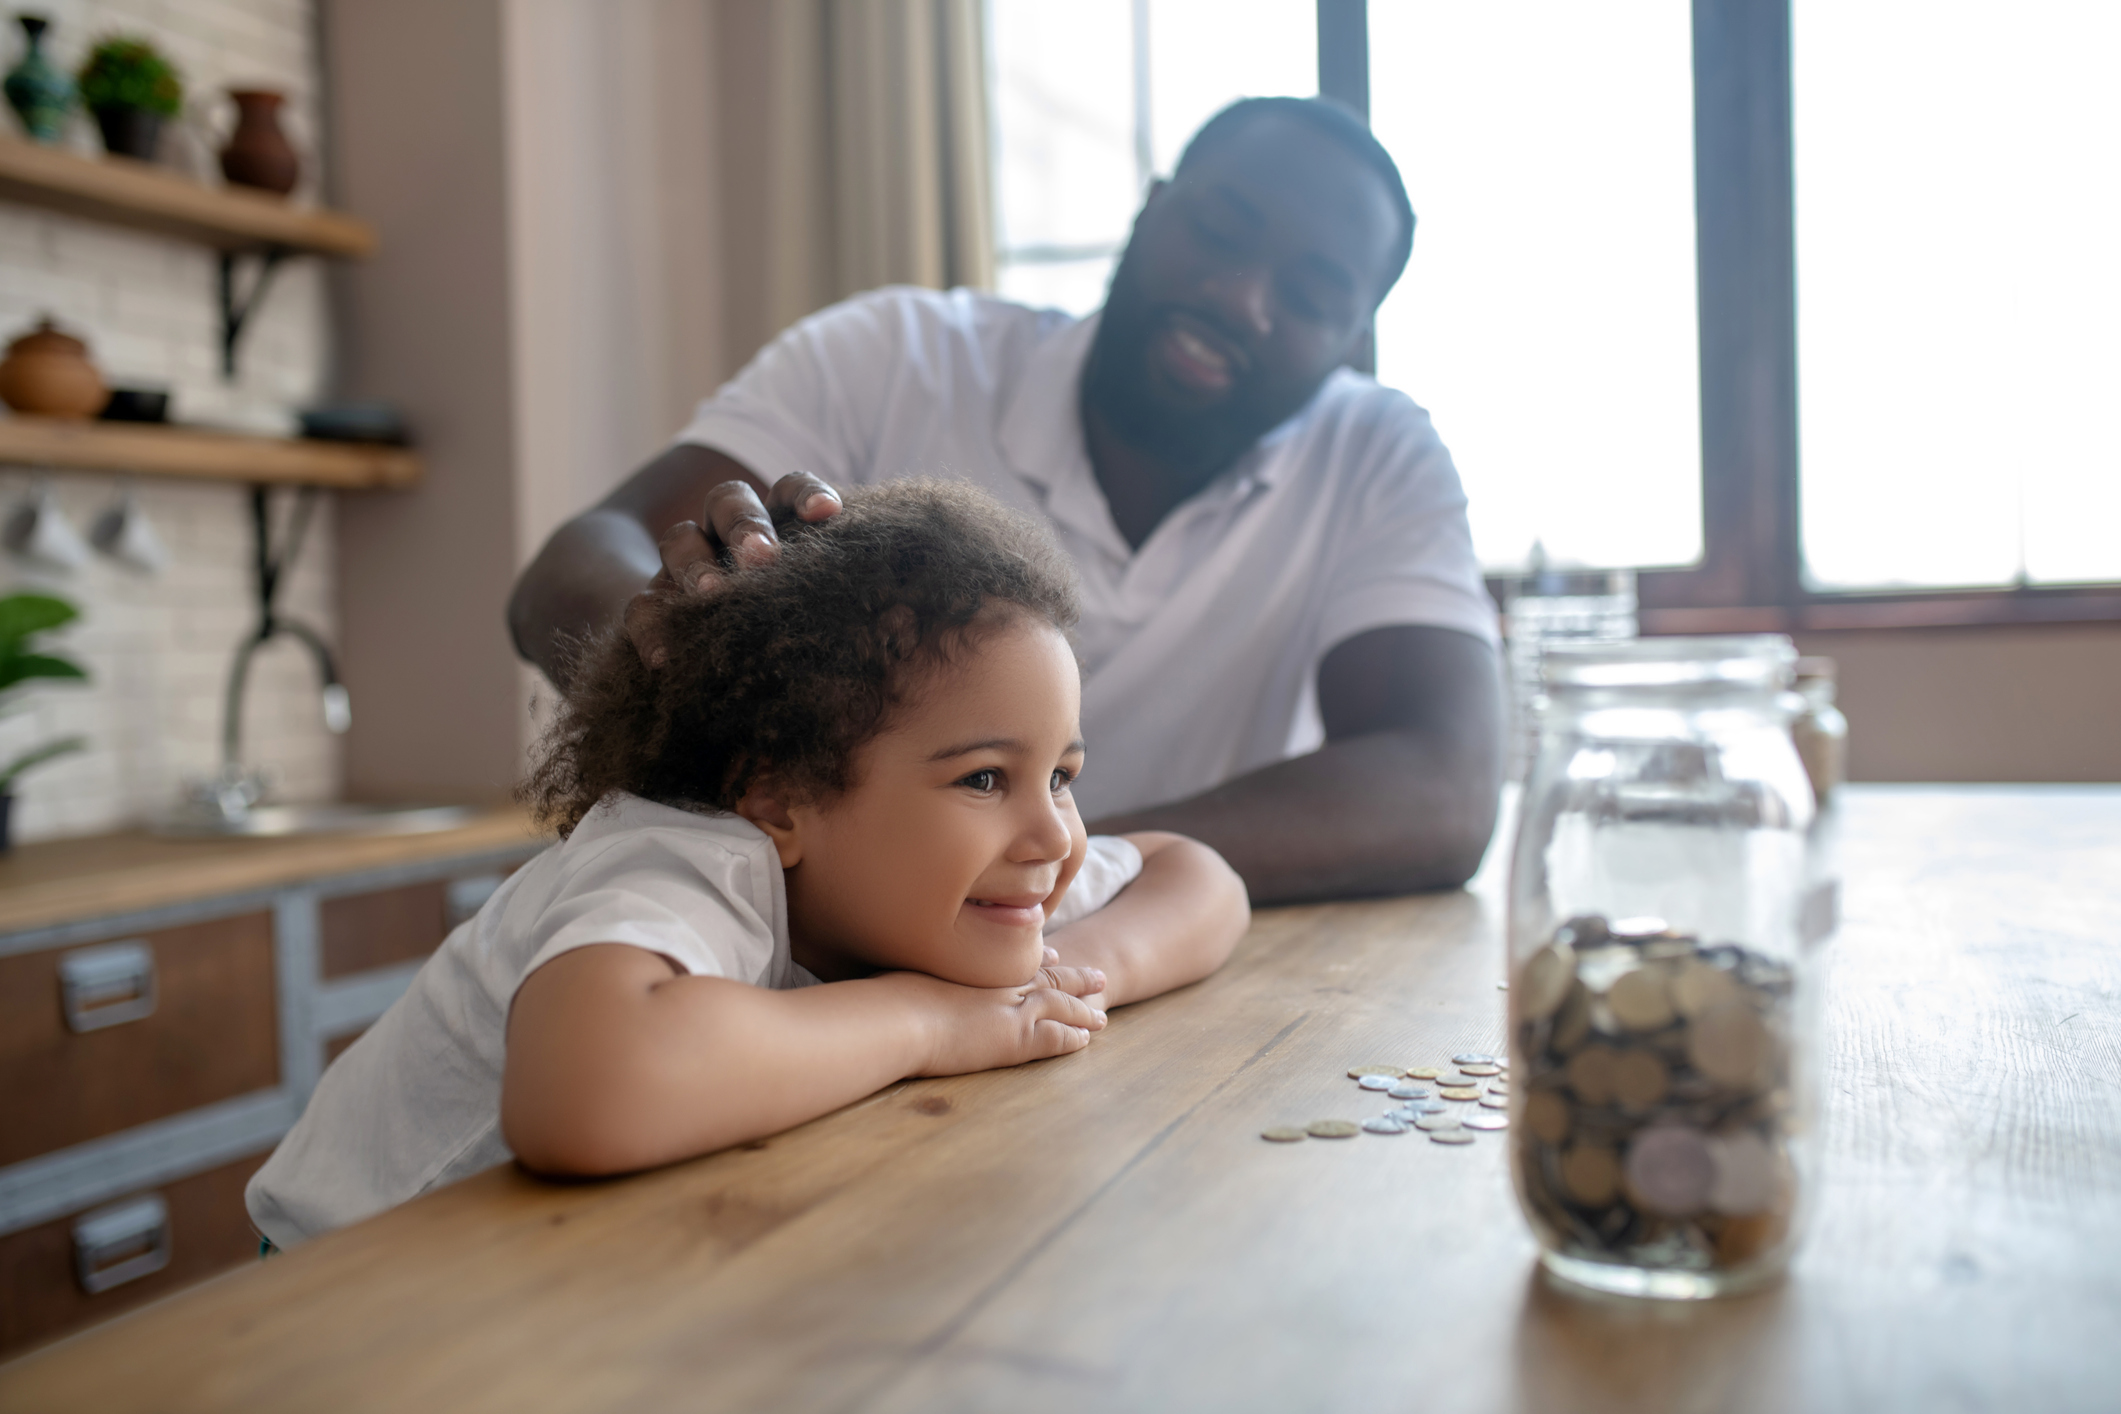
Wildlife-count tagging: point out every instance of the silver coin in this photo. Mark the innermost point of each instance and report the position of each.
(1438, 1124)
(1408, 1090)
(1428, 1107)
(1451, 1136)
(1670, 1171)
(1487, 1121)
(1494, 1102)
(1384, 1124)
(1403, 1115)
(1377, 1082)
(1472, 1058)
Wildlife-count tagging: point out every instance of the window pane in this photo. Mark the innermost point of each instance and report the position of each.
(1548, 319)
(1206, 54)
(1958, 290)
(1064, 169)
(1077, 286)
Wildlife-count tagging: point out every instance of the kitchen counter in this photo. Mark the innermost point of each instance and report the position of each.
(134, 871)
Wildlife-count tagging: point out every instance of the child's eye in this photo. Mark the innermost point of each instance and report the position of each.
(982, 781)
(1061, 778)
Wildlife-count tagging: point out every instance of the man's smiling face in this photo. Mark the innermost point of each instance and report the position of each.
(1249, 278)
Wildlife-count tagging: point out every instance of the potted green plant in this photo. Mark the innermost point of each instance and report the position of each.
(131, 89)
(23, 617)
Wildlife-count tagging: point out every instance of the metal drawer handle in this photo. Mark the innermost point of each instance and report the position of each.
(121, 1243)
(107, 985)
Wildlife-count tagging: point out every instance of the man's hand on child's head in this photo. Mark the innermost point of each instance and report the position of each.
(735, 529)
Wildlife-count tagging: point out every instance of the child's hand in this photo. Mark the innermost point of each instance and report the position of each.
(986, 1028)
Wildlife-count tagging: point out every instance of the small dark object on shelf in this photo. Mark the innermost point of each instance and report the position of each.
(40, 94)
(131, 89)
(379, 424)
(136, 405)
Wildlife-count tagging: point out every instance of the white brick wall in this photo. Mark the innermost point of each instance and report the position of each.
(159, 648)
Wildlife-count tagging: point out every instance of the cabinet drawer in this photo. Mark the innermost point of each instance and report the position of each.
(100, 1038)
(365, 931)
(41, 1293)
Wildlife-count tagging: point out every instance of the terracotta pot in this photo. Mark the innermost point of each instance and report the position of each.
(258, 153)
(48, 372)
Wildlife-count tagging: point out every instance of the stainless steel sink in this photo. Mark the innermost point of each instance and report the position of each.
(268, 820)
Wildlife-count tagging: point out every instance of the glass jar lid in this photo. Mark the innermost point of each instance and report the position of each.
(1757, 662)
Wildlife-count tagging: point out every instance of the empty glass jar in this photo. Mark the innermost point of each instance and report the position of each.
(1661, 1004)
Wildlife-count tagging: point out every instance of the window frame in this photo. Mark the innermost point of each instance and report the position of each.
(1750, 576)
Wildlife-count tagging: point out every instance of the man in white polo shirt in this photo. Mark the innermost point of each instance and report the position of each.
(1287, 649)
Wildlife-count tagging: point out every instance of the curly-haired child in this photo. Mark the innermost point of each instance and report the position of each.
(823, 843)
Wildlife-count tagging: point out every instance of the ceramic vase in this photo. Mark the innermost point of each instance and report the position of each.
(48, 372)
(258, 152)
(41, 95)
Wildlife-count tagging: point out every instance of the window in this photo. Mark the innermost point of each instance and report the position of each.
(1095, 98)
(1958, 292)
(1619, 207)
(1547, 319)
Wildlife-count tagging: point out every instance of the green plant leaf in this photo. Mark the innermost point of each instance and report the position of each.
(21, 667)
(37, 756)
(24, 614)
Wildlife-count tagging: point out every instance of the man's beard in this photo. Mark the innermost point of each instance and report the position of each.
(1116, 386)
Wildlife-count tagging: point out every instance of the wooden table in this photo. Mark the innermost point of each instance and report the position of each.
(1107, 1231)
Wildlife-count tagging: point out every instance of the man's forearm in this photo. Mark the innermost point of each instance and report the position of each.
(578, 585)
(1383, 813)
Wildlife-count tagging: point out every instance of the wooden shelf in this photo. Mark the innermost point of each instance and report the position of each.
(129, 193)
(149, 449)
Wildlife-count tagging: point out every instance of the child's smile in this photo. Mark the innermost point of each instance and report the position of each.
(959, 834)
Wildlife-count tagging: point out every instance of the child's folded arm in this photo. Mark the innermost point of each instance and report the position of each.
(616, 1063)
(1176, 923)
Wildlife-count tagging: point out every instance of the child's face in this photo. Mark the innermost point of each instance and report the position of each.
(960, 834)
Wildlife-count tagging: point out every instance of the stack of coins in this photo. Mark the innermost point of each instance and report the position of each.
(1657, 1110)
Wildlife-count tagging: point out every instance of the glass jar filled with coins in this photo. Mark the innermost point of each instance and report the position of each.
(1660, 1007)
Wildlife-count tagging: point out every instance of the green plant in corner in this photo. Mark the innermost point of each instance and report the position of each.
(23, 617)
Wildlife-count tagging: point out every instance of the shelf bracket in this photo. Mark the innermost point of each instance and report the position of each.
(235, 312)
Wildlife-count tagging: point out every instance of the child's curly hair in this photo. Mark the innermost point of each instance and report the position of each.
(792, 666)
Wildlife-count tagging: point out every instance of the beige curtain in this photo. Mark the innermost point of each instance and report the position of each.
(855, 153)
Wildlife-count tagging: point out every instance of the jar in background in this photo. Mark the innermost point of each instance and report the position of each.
(1661, 995)
(1553, 606)
(1819, 730)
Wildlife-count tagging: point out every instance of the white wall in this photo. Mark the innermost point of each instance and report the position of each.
(159, 648)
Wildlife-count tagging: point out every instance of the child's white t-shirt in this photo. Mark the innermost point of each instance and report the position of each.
(416, 1102)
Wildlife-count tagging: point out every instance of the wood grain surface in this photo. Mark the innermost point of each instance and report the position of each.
(130, 193)
(199, 453)
(62, 881)
(1107, 1231)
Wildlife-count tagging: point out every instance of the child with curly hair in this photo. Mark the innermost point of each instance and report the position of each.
(823, 843)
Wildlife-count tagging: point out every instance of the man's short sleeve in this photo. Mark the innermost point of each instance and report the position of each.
(812, 399)
(1406, 551)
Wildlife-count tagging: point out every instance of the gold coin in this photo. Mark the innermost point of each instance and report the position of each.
(1640, 1000)
(1544, 981)
(1728, 1044)
(1573, 1022)
(1546, 1114)
(1457, 1092)
(1591, 1174)
(1450, 1136)
(1639, 1080)
(1332, 1129)
(1357, 1072)
(1591, 1074)
(1700, 986)
(1436, 1124)
(1482, 1071)
(1426, 1072)
(1283, 1134)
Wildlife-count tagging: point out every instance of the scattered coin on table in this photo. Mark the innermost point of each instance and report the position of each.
(1437, 1124)
(1408, 1090)
(1450, 1136)
(1283, 1134)
(1377, 1082)
(1332, 1129)
(1357, 1072)
(1486, 1119)
(1473, 1058)
(1425, 1072)
(1457, 1092)
(1658, 1112)
(1384, 1124)
(1481, 1069)
(1495, 1102)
